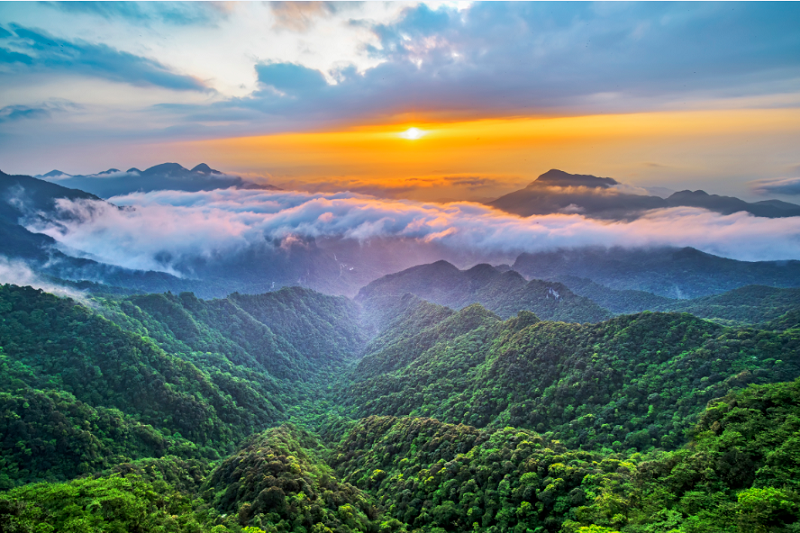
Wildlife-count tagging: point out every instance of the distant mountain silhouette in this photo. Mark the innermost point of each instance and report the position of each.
(55, 174)
(670, 272)
(556, 191)
(166, 176)
(563, 179)
(730, 204)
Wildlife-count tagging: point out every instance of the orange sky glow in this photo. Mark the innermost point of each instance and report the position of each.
(483, 159)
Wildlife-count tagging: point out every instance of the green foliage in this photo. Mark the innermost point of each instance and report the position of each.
(636, 381)
(124, 409)
(111, 504)
(753, 304)
(279, 482)
(82, 389)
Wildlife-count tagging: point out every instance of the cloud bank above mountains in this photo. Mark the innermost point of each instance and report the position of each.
(164, 229)
(786, 186)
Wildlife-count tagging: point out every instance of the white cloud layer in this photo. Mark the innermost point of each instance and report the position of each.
(160, 230)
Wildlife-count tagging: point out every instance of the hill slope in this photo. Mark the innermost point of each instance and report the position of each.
(166, 374)
(633, 381)
(504, 293)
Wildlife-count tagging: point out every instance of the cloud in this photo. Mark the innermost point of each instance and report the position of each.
(529, 58)
(174, 13)
(18, 273)
(300, 16)
(164, 230)
(434, 188)
(291, 79)
(788, 186)
(35, 50)
(11, 113)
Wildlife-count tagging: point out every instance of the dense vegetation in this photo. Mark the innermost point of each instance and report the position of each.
(636, 381)
(740, 473)
(166, 412)
(170, 374)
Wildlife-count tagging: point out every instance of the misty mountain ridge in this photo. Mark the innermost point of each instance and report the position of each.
(678, 273)
(502, 292)
(557, 191)
(166, 176)
(343, 266)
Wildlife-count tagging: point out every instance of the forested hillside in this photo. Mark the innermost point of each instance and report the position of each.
(633, 381)
(166, 412)
(161, 374)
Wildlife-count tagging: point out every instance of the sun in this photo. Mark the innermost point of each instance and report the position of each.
(412, 134)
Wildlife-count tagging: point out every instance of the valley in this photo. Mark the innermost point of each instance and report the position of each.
(575, 391)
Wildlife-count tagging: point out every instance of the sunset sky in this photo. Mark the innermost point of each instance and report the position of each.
(430, 101)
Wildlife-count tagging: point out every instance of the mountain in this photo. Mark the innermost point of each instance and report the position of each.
(282, 474)
(150, 375)
(394, 475)
(618, 301)
(667, 272)
(729, 204)
(557, 191)
(503, 292)
(167, 176)
(335, 266)
(635, 380)
(166, 412)
(753, 304)
(738, 473)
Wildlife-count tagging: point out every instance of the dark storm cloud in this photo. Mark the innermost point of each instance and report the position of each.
(29, 49)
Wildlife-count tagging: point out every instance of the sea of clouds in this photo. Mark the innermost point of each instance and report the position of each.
(140, 230)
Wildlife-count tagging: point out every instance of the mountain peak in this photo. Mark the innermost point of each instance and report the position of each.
(107, 172)
(166, 168)
(442, 264)
(559, 178)
(54, 173)
(688, 193)
(205, 169)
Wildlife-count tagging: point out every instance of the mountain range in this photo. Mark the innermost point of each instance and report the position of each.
(557, 191)
(294, 409)
(669, 272)
(575, 391)
(166, 176)
(648, 277)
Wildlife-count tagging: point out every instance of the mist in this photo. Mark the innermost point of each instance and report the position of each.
(16, 272)
(160, 230)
